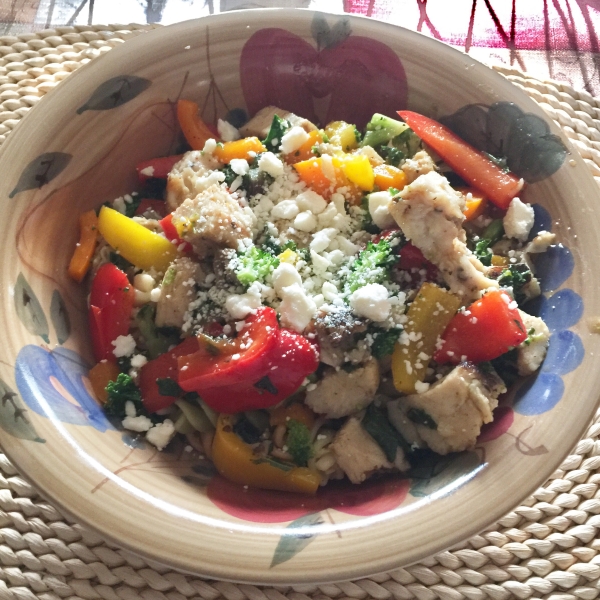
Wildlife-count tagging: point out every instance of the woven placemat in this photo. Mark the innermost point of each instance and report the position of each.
(545, 548)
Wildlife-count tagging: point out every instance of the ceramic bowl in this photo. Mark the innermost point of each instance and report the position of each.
(78, 147)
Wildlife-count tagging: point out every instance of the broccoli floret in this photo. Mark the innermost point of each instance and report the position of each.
(255, 264)
(120, 392)
(384, 342)
(372, 266)
(408, 142)
(298, 442)
(516, 277)
(391, 155)
(483, 252)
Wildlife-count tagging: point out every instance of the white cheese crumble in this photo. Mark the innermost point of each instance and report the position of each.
(144, 282)
(239, 166)
(379, 209)
(285, 275)
(241, 305)
(227, 132)
(518, 220)
(311, 201)
(148, 171)
(138, 361)
(293, 139)
(269, 163)
(210, 146)
(161, 434)
(138, 424)
(124, 346)
(305, 221)
(371, 301)
(296, 308)
(286, 209)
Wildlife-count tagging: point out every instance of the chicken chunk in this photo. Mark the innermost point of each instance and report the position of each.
(190, 176)
(531, 353)
(340, 393)
(357, 453)
(429, 212)
(177, 291)
(260, 123)
(419, 164)
(449, 415)
(213, 219)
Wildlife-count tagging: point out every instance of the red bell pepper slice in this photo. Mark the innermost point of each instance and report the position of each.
(412, 258)
(172, 234)
(157, 168)
(486, 329)
(111, 303)
(468, 162)
(158, 206)
(244, 359)
(162, 367)
(291, 361)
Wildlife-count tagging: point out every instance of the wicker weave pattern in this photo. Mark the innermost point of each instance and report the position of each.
(546, 548)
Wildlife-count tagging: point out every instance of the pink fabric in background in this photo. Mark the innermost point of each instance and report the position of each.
(546, 38)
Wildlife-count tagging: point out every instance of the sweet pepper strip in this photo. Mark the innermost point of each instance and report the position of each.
(473, 166)
(84, 251)
(236, 461)
(99, 376)
(140, 246)
(194, 129)
(427, 318)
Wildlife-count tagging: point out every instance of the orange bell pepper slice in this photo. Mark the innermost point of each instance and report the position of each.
(84, 251)
(388, 176)
(194, 129)
(305, 152)
(99, 376)
(236, 461)
(239, 149)
(315, 174)
(475, 204)
(467, 162)
(280, 415)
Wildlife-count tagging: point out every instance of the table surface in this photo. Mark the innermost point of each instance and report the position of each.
(556, 39)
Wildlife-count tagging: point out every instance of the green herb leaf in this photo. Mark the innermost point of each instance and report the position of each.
(169, 387)
(298, 442)
(420, 417)
(377, 425)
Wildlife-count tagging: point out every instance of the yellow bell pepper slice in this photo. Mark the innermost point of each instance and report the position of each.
(140, 246)
(342, 134)
(235, 460)
(359, 171)
(427, 318)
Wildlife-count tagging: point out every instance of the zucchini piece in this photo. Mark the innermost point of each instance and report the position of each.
(382, 129)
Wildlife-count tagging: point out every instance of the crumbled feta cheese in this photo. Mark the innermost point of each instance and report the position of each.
(346, 246)
(322, 239)
(130, 409)
(293, 139)
(155, 295)
(305, 221)
(379, 203)
(239, 166)
(138, 361)
(285, 275)
(144, 282)
(161, 434)
(227, 132)
(296, 308)
(518, 220)
(311, 201)
(210, 146)
(371, 301)
(241, 305)
(286, 209)
(320, 263)
(270, 164)
(140, 298)
(119, 205)
(148, 171)
(421, 386)
(138, 424)
(124, 345)
(330, 291)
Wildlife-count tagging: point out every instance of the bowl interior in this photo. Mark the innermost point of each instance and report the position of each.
(78, 148)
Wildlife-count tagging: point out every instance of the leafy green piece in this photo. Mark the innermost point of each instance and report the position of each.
(131, 207)
(230, 175)
(493, 232)
(506, 366)
(391, 155)
(384, 342)
(377, 425)
(256, 181)
(372, 266)
(120, 262)
(408, 142)
(420, 417)
(120, 392)
(483, 252)
(381, 129)
(255, 264)
(298, 442)
(516, 277)
(278, 129)
(245, 429)
(168, 387)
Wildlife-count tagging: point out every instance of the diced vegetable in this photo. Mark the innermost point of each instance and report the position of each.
(254, 265)
(140, 246)
(99, 376)
(306, 151)
(278, 129)
(157, 168)
(246, 148)
(473, 166)
(387, 176)
(427, 318)
(111, 302)
(381, 129)
(384, 342)
(372, 266)
(475, 203)
(84, 251)
(359, 171)
(236, 461)
(408, 143)
(172, 234)
(298, 442)
(289, 363)
(193, 127)
(311, 172)
(119, 392)
(343, 135)
(486, 329)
